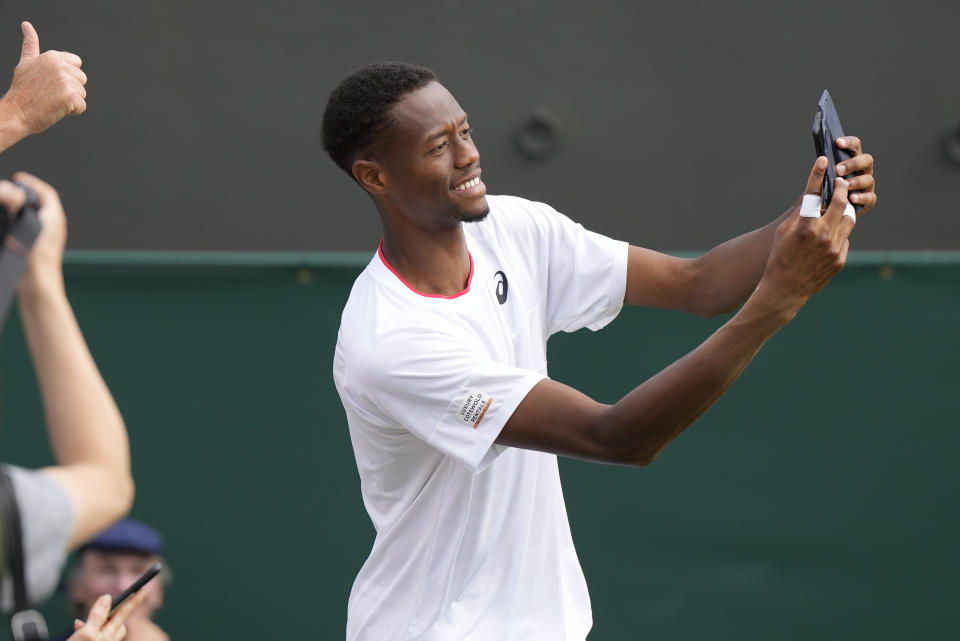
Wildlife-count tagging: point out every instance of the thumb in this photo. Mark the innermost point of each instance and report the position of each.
(31, 42)
(815, 181)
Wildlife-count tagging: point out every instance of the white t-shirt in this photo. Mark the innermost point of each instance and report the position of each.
(472, 538)
(46, 522)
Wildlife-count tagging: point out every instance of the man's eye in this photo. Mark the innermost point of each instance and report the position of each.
(466, 133)
(439, 148)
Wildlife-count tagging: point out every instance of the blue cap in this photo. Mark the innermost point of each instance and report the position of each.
(127, 535)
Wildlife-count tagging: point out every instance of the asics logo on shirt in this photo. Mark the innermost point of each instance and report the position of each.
(501, 279)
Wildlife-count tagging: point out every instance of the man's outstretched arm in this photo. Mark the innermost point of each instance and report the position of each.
(46, 87)
(723, 278)
(85, 429)
(805, 254)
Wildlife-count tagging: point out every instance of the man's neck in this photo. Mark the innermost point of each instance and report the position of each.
(437, 264)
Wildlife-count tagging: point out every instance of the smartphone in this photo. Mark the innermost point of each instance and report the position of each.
(826, 129)
(151, 572)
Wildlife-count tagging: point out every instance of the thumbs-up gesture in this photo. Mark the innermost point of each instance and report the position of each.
(46, 87)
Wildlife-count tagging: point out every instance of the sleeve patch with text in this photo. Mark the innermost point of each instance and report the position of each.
(473, 407)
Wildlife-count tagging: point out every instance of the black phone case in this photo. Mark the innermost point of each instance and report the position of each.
(826, 129)
(151, 572)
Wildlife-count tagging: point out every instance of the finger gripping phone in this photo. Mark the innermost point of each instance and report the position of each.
(826, 129)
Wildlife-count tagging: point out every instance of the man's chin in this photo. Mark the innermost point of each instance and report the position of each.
(476, 216)
(456, 216)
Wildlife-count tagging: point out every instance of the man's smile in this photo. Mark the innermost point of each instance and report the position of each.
(470, 185)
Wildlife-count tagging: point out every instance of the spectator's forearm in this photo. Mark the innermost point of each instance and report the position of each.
(83, 422)
(12, 129)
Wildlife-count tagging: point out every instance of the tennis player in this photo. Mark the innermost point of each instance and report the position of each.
(441, 361)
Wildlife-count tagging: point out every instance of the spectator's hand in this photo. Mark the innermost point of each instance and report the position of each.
(44, 262)
(100, 625)
(140, 628)
(808, 252)
(46, 87)
(860, 162)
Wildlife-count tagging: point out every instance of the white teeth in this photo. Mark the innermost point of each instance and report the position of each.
(468, 184)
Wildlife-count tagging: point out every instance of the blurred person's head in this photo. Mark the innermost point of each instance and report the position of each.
(114, 559)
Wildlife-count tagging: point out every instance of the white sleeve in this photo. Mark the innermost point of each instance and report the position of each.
(587, 274)
(444, 390)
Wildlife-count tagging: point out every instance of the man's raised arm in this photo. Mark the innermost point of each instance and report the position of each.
(804, 254)
(722, 279)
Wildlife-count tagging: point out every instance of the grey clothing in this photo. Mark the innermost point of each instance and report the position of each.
(46, 517)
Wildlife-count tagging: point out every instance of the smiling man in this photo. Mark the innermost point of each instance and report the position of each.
(441, 362)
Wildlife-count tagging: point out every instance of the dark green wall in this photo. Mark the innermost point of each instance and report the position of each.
(816, 500)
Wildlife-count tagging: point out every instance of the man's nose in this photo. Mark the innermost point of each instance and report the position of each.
(467, 153)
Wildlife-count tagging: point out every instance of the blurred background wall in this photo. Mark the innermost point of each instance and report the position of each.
(817, 500)
(679, 123)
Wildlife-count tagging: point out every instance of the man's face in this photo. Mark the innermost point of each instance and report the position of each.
(100, 572)
(431, 166)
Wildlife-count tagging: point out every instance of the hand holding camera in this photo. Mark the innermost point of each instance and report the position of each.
(33, 235)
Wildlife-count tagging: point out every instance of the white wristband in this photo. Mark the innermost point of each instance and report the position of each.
(810, 206)
(849, 211)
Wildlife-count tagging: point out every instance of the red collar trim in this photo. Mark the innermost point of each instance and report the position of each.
(394, 272)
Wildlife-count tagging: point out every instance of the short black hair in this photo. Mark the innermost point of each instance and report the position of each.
(357, 112)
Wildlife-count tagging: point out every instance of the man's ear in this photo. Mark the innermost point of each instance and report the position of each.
(370, 175)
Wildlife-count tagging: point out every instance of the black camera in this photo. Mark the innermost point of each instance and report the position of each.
(12, 222)
(18, 232)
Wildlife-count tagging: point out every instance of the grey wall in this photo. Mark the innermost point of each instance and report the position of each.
(683, 122)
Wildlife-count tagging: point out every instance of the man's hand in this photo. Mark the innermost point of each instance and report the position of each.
(860, 164)
(45, 88)
(808, 252)
(100, 625)
(863, 183)
(44, 262)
